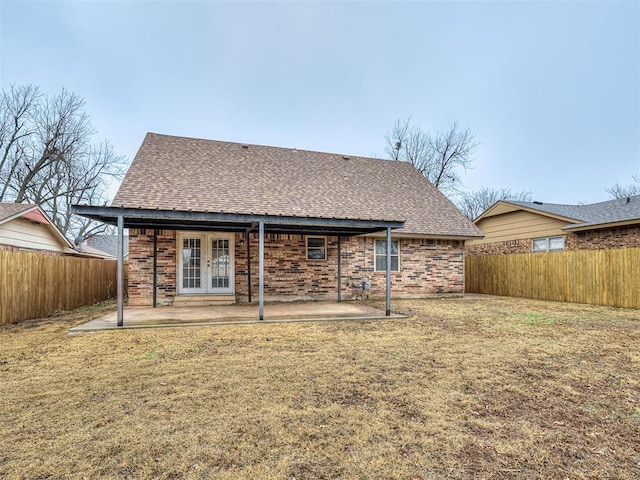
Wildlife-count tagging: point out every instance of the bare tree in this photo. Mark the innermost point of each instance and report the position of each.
(48, 157)
(438, 156)
(620, 191)
(472, 204)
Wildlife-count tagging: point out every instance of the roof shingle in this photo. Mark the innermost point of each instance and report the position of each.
(8, 210)
(610, 211)
(192, 174)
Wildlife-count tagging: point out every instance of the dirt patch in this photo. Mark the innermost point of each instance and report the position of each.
(491, 388)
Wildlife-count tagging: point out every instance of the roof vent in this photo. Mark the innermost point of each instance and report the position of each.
(346, 157)
(537, 202)
(296, 208)
(245, 146)
(628, 199)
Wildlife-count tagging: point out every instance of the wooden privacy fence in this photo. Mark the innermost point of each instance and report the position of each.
(33, 285)
(599, 277)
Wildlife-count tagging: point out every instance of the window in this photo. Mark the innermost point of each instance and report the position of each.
(548, 244)
(381, 255)
(316, 248)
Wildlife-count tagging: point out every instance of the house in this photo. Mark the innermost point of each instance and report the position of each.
(27, 227)
(211, 220)
(520, 227)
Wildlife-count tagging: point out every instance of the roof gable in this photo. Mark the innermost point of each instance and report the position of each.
(9, 211)
(33, 213)
(502, 207)
(188, 174)
(593, 215)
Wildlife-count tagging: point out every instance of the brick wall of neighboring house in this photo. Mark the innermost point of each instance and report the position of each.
(427, 267)
(619, 237)
(500, 248)
(606, 238)
(140, 265)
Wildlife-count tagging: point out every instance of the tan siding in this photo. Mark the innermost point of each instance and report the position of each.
(517, 225)
(23, 233)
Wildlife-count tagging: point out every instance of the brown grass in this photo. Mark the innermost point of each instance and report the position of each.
(488, 388)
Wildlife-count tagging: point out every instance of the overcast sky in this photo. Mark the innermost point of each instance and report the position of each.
(550, 89)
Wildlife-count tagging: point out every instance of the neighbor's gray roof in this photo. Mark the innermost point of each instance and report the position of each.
(108, 244)
(618, 210)
(212, 176)
(8, 210)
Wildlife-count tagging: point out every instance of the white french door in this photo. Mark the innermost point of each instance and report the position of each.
(205, 263)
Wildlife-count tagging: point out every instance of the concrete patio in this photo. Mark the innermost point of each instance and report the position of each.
(147, 317)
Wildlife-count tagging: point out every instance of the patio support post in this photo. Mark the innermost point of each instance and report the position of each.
(120, 273)
(249, 263)
(388, 313)
(339, 269)
(155, 268)
(261, 272)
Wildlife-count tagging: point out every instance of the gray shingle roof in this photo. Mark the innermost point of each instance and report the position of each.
(108, 244)
(8, 210)
(618, 210)
(212, 176)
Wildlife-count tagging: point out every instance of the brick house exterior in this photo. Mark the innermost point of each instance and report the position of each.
(514, 227)
(191, 205)
(429, 268)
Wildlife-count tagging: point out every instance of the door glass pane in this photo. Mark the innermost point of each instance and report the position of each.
(220, 263)
(191, 262)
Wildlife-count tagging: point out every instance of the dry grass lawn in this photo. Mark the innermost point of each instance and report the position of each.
(463, 389)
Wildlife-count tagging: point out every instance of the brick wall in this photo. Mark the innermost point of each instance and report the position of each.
(591, 240)
(287, 272)
(605, 238)
(500, 248)
(140, 264)
(427, 267)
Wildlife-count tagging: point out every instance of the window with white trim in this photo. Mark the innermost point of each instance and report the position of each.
(547, 244)
(381, 255)
(316, 248)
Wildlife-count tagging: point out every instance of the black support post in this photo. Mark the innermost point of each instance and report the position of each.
(339, 268)
(120, 275)
(155, 268)
(261, 272)
(388, 313)
(249, 264)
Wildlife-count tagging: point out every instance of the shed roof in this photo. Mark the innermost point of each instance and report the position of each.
(187, 174)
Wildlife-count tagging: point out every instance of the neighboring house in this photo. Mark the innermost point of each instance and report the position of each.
(197, 209)
(27, 227)
(106, 245)
(519, 227)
